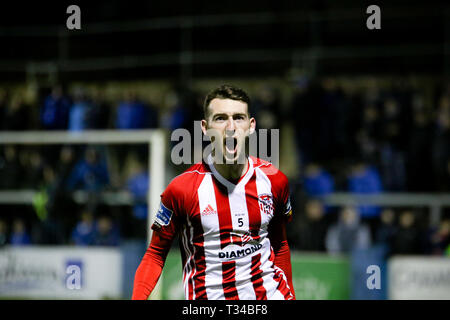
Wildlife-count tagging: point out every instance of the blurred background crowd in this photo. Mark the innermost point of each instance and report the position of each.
(364, 135)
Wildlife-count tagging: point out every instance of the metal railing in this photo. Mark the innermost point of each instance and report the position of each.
(435, 202)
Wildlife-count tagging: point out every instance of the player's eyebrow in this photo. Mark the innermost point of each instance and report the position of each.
(227, 115)
(240, 114)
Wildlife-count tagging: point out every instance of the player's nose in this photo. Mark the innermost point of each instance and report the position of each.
(229, 132)
(231, 124)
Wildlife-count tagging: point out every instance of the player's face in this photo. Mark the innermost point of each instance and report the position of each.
(229, 126)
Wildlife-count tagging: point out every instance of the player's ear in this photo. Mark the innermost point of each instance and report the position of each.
(204, 127)
(252, 125)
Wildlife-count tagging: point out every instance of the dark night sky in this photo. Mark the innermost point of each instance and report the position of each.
(17, 13)
(409, 23)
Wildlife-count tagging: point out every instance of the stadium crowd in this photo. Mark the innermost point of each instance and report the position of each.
(380, 136)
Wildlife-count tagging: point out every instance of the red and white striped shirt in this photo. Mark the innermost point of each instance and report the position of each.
(224, 231)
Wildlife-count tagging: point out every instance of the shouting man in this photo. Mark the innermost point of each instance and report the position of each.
(230, 211)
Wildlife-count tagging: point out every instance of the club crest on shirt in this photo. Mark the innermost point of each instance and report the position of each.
(266, 203)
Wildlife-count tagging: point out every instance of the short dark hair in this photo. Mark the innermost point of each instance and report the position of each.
(225, 91)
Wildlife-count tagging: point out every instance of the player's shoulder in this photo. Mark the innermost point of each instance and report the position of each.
(189, 179)
(270, 170)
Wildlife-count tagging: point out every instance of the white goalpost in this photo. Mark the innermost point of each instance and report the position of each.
(155, 139)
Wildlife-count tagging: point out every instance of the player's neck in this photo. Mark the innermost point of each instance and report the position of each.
(232, 172)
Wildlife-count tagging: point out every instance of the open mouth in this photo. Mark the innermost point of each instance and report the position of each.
(231, 145)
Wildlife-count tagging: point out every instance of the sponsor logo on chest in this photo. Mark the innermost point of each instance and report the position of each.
(240, 246)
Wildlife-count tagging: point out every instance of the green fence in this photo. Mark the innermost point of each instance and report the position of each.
(320, 276)
(315, 277)
(172, 278)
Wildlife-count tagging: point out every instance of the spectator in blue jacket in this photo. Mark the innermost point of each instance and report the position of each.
(317, 181)
(137, 185)
(55, 110)
(84, 232)
(90, 173)
(175, 112)
(80, 112)
(134, 114)
(365, 179)
(19, 234)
